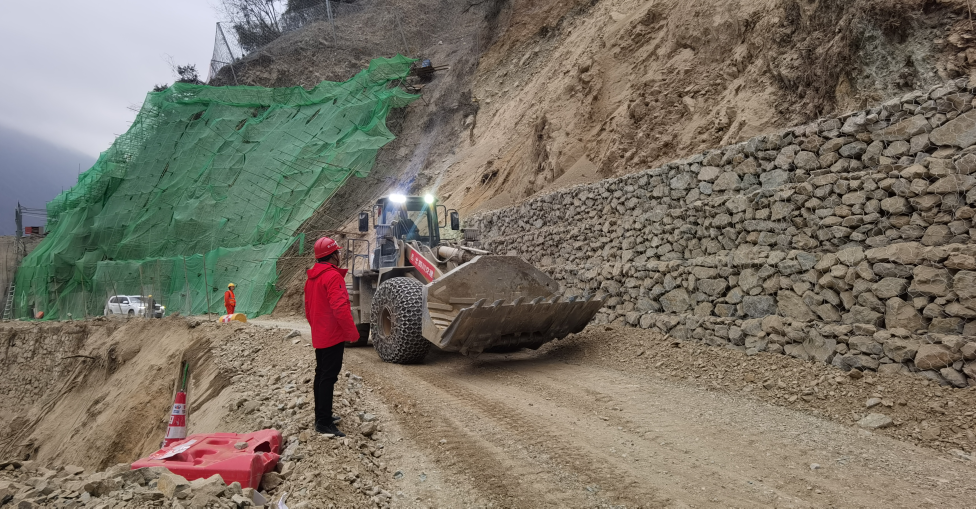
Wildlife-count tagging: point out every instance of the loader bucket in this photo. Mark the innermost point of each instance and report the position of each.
(501, 303)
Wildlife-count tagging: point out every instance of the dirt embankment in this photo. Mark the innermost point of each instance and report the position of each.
(98, 392)
(606, 418)
(575, 91)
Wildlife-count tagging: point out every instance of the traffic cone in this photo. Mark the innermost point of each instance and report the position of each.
(177, 422)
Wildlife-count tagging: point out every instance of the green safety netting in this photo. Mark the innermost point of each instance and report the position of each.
(209, 186)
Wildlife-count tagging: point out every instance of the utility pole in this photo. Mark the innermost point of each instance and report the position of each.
(19, 235)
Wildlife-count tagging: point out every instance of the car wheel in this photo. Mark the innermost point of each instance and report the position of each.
(132, 312)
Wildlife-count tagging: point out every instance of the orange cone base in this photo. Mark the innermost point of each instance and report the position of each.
(236, 317)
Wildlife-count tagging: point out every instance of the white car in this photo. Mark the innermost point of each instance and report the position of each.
(133, 305)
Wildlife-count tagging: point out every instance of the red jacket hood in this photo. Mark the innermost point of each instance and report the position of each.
(321, 268)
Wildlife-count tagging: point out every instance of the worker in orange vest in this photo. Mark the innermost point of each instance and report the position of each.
(229, 299)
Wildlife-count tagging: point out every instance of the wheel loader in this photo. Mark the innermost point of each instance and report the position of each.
(412, 290)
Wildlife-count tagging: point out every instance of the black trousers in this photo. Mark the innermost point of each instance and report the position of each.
(328, 363)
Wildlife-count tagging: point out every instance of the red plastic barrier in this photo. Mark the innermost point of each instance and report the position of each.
(203, 455)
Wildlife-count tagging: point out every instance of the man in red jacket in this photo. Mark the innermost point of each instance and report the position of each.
(329, 314)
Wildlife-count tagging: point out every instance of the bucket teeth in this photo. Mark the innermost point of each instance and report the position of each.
(522, 323)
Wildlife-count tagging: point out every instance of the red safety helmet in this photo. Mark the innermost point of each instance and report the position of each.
(324, 247)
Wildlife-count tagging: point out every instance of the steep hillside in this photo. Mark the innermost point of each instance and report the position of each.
(543, 94)
(576, 91)
(540, 95)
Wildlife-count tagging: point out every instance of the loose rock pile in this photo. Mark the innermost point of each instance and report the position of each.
(275, 391)
(267, 388)
(24, 485)
(856, 233)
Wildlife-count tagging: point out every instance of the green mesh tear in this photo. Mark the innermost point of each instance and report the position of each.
(207, 187)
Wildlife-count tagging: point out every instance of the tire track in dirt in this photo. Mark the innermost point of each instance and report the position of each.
(542, 429)
(555, 409)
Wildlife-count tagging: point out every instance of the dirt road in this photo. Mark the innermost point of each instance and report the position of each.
(545, 429)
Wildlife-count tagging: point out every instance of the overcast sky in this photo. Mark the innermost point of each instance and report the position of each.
(72, 68)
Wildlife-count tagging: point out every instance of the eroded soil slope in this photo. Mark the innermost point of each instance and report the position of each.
(99, 392)
(575, 91)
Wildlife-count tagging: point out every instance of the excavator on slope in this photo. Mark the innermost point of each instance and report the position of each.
(411, 290)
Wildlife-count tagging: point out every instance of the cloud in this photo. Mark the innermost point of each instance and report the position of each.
(74, 76)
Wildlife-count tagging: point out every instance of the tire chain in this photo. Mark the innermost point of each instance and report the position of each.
(406, 344)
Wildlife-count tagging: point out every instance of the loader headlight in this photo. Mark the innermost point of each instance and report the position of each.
(428, 199)
(398, 198)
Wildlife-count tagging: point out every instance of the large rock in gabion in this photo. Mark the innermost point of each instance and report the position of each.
(931, 356)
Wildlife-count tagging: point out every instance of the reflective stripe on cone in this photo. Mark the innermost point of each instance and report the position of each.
(177, 422)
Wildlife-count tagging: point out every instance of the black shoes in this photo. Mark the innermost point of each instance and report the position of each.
(329, 428)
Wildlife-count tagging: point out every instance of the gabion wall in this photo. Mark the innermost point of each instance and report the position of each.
(848, 240)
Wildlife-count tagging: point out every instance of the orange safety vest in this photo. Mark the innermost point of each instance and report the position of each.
(229, 301)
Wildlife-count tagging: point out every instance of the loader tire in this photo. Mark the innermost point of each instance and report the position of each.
(396, 321)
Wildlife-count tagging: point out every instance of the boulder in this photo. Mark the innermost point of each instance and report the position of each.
(896, 270)
(169, 484)
(954, 183)
(950, 325)
(959, 132)
(957, 309)
(774, 179)
(676, 301)
(968, 351)
(807, 161)
(849, 362)
(901, 314)
(819, 348)
(875, 421)
(970, 369)
(903, 130)
(861, 314)
(901, 350)
(851, 256)
(758, 306)
(728, 181)
(931, 281)
(866, 345)
(772, 324)
(895, 205)
(889, 287)
(932, 356)
(212, 486)
(904, 253)
(964, 284)
(955, 378)
(709, 173)
(713, 287)
(791, 305)
(271, 480)
(960, 261)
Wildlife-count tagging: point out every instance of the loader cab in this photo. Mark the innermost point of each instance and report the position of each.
(398, 217)
(411, 218)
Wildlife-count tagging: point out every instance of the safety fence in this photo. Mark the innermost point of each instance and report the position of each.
(209, 186)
